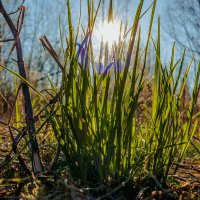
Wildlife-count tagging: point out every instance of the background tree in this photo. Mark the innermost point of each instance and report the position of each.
(184, 27)
(184, 23)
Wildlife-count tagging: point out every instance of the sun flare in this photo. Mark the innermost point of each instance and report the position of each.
(109, 32)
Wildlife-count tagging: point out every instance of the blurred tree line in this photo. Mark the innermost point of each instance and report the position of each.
(184, 18)
(40, 18)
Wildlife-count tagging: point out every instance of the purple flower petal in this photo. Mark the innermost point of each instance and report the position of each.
(82, 56)
(100, 68)
(81, 46)
(107, 68)
(118, 66)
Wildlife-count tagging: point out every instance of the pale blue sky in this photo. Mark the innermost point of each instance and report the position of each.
(51, 9)
(42, 17)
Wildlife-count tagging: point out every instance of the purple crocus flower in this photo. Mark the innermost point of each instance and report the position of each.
(83, 52)
(100, 68)
(117, 66)
(107, 69)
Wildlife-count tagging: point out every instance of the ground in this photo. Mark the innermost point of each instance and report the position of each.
(185, 184)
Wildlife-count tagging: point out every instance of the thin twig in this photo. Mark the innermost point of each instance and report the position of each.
(20, 21)
(36, 161)
(6, 124)
(15, 150)
(11, 13)
(196, 138)
(7, 40)
(47, 45)
(16, 96)
(195, 147)
(115, 189)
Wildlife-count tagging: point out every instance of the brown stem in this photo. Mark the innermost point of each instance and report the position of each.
(36, 161)
(15, 150)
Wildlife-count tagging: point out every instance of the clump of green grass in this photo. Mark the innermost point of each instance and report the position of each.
(97, 124)
(98, 128)
(167, 134)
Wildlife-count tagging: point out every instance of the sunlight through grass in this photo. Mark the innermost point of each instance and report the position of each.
(109, 32)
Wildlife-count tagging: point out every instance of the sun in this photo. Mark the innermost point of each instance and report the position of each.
(108, 31)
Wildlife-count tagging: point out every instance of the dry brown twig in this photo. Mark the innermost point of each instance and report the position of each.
(37, 165)
(20, 21)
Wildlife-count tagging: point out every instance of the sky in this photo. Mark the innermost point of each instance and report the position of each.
(123, 9)
(44, 14)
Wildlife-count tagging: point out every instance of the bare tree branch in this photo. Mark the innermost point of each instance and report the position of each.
(11, 13)
(184, 18)
(36, 161)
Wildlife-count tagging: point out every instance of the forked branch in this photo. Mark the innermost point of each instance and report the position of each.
(36, 161)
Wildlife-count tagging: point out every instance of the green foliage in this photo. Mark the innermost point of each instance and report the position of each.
(97, 122)
(168, 134)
